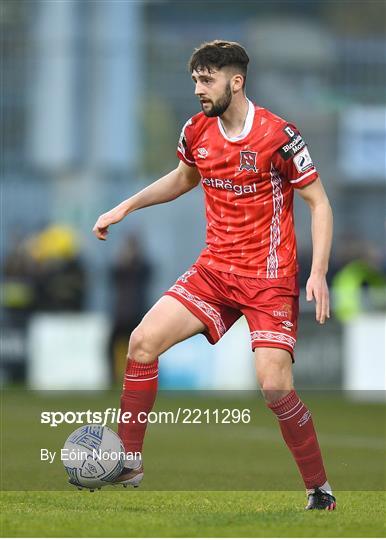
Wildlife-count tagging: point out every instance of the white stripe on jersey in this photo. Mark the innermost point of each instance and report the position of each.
(277, 202)
(312, 171)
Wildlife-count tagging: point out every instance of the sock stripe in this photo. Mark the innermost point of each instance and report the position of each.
(134, 376)
(284, 404)
(140, 379)
(286, 412)
(138, 369)
(292, 415)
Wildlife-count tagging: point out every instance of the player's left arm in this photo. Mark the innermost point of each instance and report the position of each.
(321, 230)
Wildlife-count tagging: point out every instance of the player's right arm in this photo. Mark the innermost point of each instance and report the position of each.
(169, 187)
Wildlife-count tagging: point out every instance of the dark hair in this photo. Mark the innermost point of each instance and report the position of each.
(218, 54)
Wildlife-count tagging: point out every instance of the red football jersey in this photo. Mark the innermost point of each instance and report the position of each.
(249, 183)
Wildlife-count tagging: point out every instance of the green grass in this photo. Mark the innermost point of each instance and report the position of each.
(201, 480)
(352, 436)
(192, 514)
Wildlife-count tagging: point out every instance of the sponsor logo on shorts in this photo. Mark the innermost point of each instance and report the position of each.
(284, 311)
(280, 313)
(287, 325)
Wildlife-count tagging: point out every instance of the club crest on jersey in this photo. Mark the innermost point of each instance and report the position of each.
(247, 161)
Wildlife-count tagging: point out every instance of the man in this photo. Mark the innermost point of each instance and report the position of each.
(249, 162)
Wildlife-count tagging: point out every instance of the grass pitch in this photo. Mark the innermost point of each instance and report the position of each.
(200, 480)
(192, 514)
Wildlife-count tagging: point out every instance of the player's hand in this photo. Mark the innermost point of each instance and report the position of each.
(317, 290)
(101, 227)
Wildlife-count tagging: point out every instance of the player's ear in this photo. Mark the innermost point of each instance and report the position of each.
(237, 83)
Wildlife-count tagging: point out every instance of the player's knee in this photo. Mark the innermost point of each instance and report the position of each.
(274, 374)
(141, 346)
(275, 387)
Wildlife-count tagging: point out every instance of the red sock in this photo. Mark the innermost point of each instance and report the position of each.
(298, 432)
(138, 396)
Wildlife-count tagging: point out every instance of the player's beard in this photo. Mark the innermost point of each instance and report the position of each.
(221, 105)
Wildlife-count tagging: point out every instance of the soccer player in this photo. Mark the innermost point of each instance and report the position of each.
(249, 162)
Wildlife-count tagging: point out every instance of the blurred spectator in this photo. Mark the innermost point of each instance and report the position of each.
(18, 291)
(40, 273)
(130, 276)
(360, 284)
(17, 303)
(58, 274)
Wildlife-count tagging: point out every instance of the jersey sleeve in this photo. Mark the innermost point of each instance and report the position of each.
(292, 159)
(184, 152)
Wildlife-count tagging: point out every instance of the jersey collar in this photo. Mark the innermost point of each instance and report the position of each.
(247, 125)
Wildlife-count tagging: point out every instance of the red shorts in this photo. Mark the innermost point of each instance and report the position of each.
(219, 299)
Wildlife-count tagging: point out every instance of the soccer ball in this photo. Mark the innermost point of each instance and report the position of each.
(93, 456)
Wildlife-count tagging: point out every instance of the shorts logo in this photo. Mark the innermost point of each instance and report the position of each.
(277, 313)
(287, 325)
(284, 311)
(247, 161)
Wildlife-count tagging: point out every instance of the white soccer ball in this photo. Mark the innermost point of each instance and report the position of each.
(93, 456)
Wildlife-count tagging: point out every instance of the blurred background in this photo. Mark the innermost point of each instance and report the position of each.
(94, 94)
